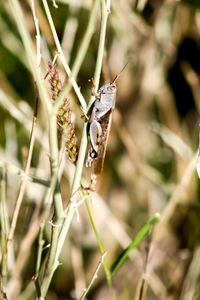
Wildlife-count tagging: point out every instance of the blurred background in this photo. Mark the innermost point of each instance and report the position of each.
(151, 154)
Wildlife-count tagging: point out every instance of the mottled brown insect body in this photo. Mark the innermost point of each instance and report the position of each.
(99, 159)
(99, 124)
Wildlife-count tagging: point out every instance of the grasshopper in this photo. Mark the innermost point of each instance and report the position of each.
(99, 124)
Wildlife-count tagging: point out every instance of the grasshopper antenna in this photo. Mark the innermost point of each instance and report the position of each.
(117, 76)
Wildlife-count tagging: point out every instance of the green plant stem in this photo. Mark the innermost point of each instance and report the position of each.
(43, 93)
(39, 251)
(4, 233)
(71, 208)
(80, 56)
(93, 279)
(54, 160)
(81, 52)
(44, 97)
(79, 167)
(40, 83)
(51, 118)
(30, 53)
(24, 180)
(83, 146)
(62, 57)
(105, 10)
(52, 262)
(86, 39)
(17, 171)
(105, 265)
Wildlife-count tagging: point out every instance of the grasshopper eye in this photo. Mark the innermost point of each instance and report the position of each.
(111, 88)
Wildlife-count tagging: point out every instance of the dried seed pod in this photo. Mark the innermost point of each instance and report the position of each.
(54, 80)
(64, 115)
(65, 122)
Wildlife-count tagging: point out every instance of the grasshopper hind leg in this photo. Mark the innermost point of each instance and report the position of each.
(95, 134)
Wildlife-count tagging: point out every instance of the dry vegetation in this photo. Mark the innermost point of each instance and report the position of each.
(150, 162)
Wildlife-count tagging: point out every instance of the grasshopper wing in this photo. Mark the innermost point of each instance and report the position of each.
(101, 151)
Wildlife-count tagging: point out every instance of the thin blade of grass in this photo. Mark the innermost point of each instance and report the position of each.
(123, 256)
(4, 234)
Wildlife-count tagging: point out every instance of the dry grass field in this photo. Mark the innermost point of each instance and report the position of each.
(134, 234)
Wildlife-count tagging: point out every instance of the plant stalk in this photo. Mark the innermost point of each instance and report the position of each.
(71, 208)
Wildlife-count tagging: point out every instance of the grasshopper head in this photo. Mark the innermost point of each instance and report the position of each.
(108, 88)
(111, 88)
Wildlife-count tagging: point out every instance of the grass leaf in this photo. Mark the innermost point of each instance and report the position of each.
(122, 257)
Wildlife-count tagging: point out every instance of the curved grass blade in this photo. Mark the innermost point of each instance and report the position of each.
(122, 257)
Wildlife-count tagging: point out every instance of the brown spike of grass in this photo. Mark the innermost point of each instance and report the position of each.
(64, 118)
